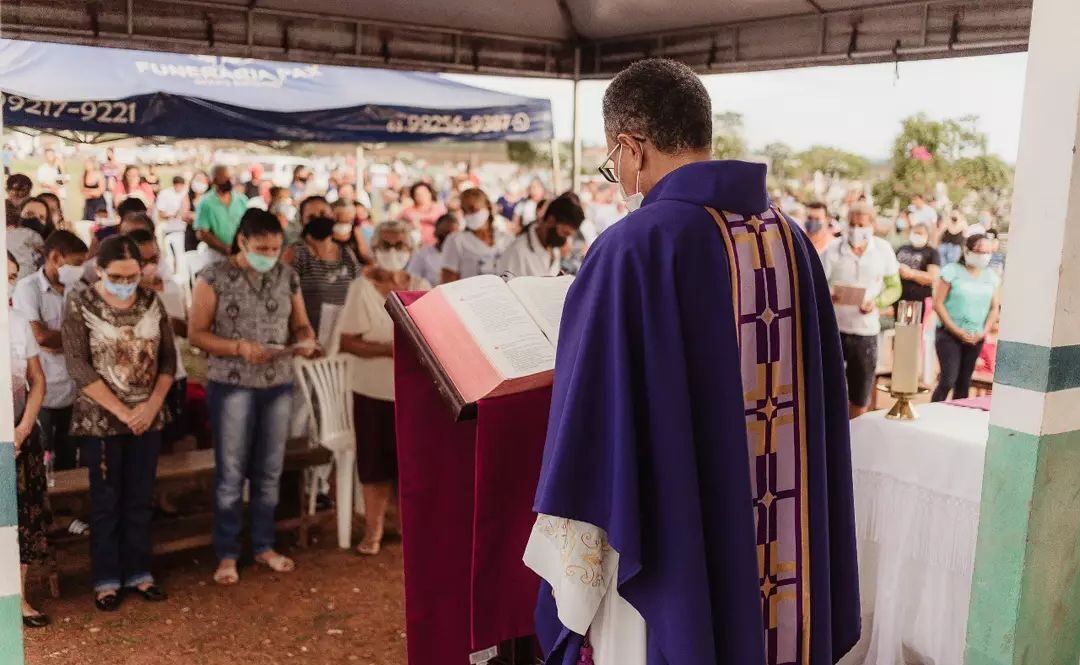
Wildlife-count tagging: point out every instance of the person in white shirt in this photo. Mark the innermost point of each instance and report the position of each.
(862, 261)
(603, 211)
(40, 298)
(921, 212)
(427, 262)
(536, 252)
(475, 250)
(526, 209)
(367, 332)
(169, 205)
(50, 175)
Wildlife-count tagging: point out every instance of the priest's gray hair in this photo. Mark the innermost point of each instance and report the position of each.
(663, 101)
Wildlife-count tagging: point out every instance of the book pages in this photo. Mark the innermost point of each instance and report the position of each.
(543, 298)
(501, 326)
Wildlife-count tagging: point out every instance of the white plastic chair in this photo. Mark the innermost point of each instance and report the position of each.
(194, 261)
(175, 244)
(327, 388)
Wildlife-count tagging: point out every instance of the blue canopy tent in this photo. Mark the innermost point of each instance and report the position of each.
(88, 90)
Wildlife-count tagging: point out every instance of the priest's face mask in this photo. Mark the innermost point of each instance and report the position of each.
(624, 164)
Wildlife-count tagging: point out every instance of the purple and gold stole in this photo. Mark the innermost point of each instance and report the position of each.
(765, 293)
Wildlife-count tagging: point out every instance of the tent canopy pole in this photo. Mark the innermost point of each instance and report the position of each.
(575, 160)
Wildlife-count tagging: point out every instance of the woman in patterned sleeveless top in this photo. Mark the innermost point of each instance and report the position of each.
(246, 312)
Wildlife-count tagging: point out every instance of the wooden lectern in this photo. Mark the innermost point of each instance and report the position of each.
(467, 479)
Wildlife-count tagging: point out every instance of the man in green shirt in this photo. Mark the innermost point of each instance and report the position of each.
(219, 212)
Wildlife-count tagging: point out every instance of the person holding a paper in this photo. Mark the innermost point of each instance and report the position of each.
(695, 499)
(245, 312)
(865, 277)
(536, 250)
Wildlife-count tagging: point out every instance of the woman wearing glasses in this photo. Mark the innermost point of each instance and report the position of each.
(119, 349)
(474, 250)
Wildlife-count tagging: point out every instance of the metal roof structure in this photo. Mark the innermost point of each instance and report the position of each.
(574, 39)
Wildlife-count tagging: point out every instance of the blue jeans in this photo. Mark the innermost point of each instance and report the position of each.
(251, 427)
(121, 508)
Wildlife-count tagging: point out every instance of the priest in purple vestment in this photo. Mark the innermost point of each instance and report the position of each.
(695, 504)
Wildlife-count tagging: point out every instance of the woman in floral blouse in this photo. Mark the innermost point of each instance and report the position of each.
(248, 316)
(120, 352)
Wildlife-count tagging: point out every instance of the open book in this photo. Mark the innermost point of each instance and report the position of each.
(491, 337)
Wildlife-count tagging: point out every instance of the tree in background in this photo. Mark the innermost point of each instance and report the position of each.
(782, 162)
(528, 153)
(728, 140)
(951, 151)
(831, 162)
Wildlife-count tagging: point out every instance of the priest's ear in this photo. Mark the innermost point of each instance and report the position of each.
(632, 159)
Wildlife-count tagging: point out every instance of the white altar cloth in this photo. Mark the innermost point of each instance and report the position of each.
(917, 489)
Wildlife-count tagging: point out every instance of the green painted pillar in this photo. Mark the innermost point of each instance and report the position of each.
(1025, 596)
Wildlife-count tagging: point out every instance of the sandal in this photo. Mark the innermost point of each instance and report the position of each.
(369, 547)
(279, 563)
(226, 574)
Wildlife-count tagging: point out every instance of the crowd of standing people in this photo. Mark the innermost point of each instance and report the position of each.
(952, 268)
(100, 322)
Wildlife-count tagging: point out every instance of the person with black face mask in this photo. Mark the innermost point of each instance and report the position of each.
(536, 252)
(218, 215)
(326, 267)
(818, 227)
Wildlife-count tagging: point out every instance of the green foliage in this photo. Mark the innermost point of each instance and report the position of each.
(982, 172)
(831, 161)
(527, 153)
(955, 154)
(782, 164)
(728, 140)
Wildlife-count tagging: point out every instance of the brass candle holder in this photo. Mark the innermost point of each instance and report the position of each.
(903, 408)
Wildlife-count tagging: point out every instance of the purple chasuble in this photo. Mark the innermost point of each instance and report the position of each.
(699, 417)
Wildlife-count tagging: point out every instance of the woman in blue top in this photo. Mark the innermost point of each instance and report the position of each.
(966, 302)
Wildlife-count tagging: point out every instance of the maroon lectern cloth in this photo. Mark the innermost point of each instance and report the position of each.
(435, 490)
(509, 449)
(466, 492)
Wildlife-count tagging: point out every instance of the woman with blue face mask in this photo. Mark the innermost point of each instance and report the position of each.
(248, 316)
(967, 304)
(119, 348)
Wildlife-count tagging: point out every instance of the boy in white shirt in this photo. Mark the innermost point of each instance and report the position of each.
(40, 298)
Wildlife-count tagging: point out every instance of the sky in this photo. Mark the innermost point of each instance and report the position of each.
(855, 107)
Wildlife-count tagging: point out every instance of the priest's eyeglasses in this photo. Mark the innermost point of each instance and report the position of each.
(607, 169)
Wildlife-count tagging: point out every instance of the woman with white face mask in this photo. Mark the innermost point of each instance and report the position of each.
(392, 246)
(966, 301)
(368, 333)
(474, 250)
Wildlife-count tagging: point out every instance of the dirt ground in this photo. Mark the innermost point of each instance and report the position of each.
(336, 608)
